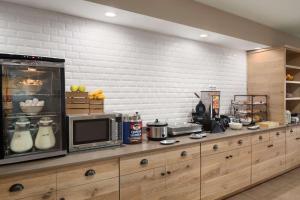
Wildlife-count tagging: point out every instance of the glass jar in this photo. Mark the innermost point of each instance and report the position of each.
(21, 140)
(45, 138)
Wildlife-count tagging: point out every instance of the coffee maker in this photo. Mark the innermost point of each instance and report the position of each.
(209, 118)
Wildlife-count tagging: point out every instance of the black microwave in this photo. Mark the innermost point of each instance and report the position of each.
(94, 131)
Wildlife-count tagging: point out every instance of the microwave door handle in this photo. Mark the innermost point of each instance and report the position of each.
(113, 129)
(110, 129)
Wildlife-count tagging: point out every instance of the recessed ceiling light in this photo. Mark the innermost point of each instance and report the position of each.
(203, 35)
(110, 14)
(257, 48)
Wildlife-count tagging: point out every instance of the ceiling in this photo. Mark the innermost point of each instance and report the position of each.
(95, 11)
(283, 15)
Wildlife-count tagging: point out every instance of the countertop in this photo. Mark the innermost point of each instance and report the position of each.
(116, 152)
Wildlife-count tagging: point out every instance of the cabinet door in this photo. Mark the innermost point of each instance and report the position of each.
(144, 185)
(46, 196)
(225, 173)
(87, 173)
(27, 185)
(183, 180)
(292, 148)
(102, 190)
(268, 159)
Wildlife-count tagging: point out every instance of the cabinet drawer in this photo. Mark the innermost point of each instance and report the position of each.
(182, 154)
(136, 163)
(292, 131)
(277, 134)
(106, 190)
(87, 173)
(223, 145)
(28, 185)
(260, 137)
(46, 196)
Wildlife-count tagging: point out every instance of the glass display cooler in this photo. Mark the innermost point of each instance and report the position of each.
(33, 108)
(250, 109)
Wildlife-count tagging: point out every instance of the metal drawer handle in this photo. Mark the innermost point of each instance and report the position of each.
(183, 154)
(297, 138)
(291, 131)
(62, 198)
(16, 188)
(227, 157)
(240, 142)
(144, 162)
(271, 145)
(90, 172)
(230, 156)
(163, 174)
(215, 147)
(169, 172)
(260, 137)
(277, 133)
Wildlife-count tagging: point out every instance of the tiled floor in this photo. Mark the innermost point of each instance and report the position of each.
(285, 187)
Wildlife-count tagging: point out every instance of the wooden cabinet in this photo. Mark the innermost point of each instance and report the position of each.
(226, 172)
(87, 173)
(293, 147)
(183, 180)
(40, 184)
(223, 145)
(101, 190)
(260, 138)
(143, 185)
(46, 196)
(267, 71)
(175, 174)
(268, 157)
(225, 166)
(208, 171)
(94, 180)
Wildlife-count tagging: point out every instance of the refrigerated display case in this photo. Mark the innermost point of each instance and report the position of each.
(33, 108)
(250, 108)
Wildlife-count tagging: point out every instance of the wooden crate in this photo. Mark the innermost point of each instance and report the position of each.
(77, 94)
(77, 103)
(96, 106)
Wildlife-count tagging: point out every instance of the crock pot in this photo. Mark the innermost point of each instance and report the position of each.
(157, 130)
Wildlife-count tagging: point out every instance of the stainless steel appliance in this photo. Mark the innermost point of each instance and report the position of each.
(178, 129)
(157, 130)
(32, 89)
(94, 131)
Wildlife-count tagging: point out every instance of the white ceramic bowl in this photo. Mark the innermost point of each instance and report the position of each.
(246, 122)
(235, 125)
(31, 110)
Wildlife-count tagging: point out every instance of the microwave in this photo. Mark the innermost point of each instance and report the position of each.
(94, 131)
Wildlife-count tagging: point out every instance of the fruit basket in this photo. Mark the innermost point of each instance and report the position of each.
(96, 101)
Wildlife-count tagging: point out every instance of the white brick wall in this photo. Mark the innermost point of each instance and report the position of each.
(139, 71)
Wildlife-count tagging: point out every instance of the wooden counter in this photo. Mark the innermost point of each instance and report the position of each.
(125, 150)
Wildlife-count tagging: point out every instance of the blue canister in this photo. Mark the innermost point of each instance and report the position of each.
(132, 129)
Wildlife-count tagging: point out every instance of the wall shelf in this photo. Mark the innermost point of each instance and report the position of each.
(292, 67)
(293, 99)
(293, 82)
